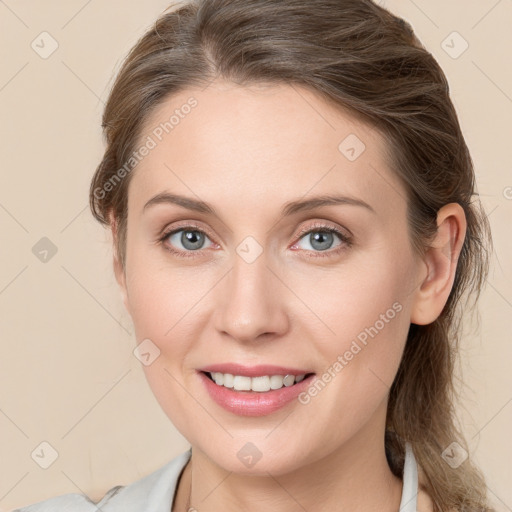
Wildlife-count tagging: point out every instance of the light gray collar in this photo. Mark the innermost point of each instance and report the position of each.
(410, 482)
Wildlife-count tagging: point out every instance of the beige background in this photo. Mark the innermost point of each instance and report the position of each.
(67, 373)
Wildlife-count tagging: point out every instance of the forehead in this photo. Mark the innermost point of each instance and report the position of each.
(255, 143)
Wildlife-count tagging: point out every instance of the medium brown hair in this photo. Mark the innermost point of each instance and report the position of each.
(359, 57)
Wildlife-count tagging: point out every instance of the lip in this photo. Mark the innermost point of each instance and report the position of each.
(254, 403)
(253, 371)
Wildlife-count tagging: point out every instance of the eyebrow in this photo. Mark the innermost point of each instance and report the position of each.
(289, 208)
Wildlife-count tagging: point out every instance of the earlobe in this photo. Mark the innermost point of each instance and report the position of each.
(440, 261)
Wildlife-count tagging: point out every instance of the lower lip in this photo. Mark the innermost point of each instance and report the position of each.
(254, 403)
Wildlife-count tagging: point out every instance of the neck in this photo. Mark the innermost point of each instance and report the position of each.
(352, 478)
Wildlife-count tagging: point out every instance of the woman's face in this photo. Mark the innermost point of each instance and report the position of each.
(259, 277)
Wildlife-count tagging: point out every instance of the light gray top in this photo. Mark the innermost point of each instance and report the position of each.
(155, 492)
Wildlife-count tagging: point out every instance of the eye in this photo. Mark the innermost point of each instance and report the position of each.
(189, 240)
(320, 238)
(185, 240)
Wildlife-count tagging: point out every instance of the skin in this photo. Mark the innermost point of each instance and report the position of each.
(247, 151)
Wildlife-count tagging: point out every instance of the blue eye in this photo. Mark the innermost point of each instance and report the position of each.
(320, 240)
(188, 241)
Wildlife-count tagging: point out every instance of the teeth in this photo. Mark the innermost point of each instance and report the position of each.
(242, 383)
(260, 384)
(276, 381)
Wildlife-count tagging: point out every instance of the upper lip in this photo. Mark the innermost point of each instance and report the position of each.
(253, 371)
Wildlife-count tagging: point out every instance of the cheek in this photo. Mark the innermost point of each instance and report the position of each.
(162, 309)
(161, 297)
(365, 317)
(368, 294)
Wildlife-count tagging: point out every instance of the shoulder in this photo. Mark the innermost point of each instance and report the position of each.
(64, 503)
(151, 491)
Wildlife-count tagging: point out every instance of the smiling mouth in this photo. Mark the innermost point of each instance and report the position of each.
(259, 384)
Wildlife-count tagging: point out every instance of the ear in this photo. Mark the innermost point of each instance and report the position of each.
(119, 271)
(439, 265)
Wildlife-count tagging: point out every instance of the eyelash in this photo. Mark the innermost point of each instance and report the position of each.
(346, 240)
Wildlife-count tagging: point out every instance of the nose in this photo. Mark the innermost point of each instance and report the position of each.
(251, 302)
